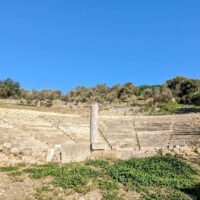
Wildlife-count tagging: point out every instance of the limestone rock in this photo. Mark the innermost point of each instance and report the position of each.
(15, 151)
(98, 146)
(7, 145)
(50, 154)
(27, 151)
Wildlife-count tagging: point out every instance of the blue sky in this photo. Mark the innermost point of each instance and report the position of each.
(61, 44)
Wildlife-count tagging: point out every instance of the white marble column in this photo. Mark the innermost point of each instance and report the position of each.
(93, 123)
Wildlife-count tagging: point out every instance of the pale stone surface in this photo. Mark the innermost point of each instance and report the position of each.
(7, 145)
(34, 132)
(15, 150)
(94, 123)
(50, 154)
(75, 152)
(99, 146)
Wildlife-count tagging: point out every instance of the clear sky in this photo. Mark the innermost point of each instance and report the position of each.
(61, 44)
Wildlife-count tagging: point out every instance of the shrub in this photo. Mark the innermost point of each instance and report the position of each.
(9, 88)
(195, 98)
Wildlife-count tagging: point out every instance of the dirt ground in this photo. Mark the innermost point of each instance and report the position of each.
(24, 188)
(15, 190)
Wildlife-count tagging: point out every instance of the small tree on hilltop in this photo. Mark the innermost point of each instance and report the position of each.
(9, 88)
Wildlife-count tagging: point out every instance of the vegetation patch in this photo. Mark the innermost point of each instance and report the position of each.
(154, 171)
(66, 176)
(181, 90)
(98, 163)
(171, 107)
(160, 177)
(167, 195)
(8, 168)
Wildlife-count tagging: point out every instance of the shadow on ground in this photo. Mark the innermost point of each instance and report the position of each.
(186, 110)
(194, 192)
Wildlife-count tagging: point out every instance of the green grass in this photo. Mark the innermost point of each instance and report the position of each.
(160, 177)
(97, 163)
(176, 108)
(8, 168)
(73, 176)
(170, 108)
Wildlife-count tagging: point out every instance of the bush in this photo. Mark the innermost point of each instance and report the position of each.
(9, 88)
(195, 98)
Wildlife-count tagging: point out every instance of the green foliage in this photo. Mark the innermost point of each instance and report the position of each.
(67, 176)
(97, 163)
(171, 107)
(174, 84)
(8, 168)
(111, 196)
(168, 195)
(160, 177)
(9, 88)
(195, 98)
(41, 95)
(155, 171)
(184, 90)
(108, 185)
(102, 93)
(15, 173)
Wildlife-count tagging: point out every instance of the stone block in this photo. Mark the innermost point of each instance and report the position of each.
(15, 151)
(98, 146)
(75, 152)
(57, 146)
(50, 154)
(7, 145)
(27, 151)
(110, 154)
(15, 145)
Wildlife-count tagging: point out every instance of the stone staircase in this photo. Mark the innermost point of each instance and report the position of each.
(120, 135)
(186, 133)
(145, 135)
(32, 136)
(152, 134)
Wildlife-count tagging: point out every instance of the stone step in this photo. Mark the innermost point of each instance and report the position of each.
(151, 129)
(121, 137)
(75, 152)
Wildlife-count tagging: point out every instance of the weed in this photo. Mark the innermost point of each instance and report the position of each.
(97, 163)
(170, 108)
(67, 176)
(15, 174)
(111, 196)
(9, 168)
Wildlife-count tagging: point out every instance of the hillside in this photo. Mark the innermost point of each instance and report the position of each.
(178, 95)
